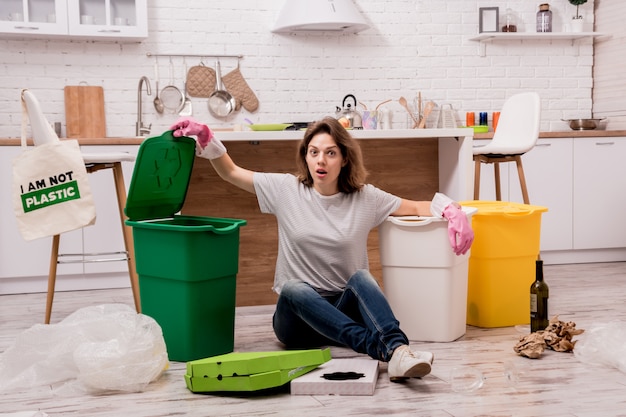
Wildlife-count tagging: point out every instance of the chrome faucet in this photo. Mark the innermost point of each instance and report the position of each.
(140, 129)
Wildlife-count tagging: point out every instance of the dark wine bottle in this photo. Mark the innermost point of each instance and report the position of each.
(539, 294)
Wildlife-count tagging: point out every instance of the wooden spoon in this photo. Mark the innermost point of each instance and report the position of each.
(427, 109)
(405, 104)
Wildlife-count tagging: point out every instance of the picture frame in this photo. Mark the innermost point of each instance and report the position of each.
(488, 19)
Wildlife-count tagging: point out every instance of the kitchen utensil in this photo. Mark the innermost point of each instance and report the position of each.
(200, 81)
(171, 96)
(187, 107)
(480, 129)
(381, 103)
(405, 104)
(427, 110)
(158, 103)
(347, 114)
(84, 112)
(448, 121)
(221, 102)
(269, 127)
(583, 124)
(236, 85)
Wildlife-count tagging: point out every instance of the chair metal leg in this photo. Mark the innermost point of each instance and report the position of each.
(522, 178)
(496, 171)
(120, 189)
(477, 166)
(52, 276)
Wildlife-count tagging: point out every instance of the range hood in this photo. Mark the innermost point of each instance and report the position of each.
(319, 16)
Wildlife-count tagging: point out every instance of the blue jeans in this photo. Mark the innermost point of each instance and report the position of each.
(359, 317)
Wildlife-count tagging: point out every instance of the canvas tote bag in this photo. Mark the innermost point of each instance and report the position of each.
(51, 193)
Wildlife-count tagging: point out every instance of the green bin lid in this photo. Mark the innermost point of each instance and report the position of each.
(161, 177)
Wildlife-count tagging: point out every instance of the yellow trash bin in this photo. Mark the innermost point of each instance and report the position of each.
(502, 262)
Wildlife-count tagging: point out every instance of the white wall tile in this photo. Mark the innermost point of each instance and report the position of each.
(411, 46)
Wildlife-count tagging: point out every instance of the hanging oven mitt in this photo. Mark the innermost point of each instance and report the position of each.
(236, 85)
(200, 81)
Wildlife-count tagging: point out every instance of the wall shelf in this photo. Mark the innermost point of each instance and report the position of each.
(491, 37)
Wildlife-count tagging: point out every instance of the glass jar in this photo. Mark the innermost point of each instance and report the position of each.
(510, 21)
(544, 18)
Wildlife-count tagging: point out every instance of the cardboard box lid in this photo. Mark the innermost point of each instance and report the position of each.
(239, 364)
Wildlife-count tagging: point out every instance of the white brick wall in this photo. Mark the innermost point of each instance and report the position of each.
(411, 46)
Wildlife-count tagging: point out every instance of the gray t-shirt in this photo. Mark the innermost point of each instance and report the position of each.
(322, 240)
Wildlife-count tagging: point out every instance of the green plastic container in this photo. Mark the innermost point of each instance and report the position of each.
(187, 265)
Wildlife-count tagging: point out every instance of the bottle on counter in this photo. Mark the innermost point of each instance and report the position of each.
(539, 294)
(544, 18)
(384, 119)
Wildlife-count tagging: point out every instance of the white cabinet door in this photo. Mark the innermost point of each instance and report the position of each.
(34, 17)
(105, 236)
(108, 18)
(88, 19)
(19, 258)
(599, 193)
(548, 171)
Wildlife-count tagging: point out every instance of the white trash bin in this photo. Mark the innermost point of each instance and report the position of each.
(424, 281)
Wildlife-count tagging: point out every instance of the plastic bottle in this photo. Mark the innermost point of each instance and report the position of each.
(544, 18)
(384, 121)
(539, 294)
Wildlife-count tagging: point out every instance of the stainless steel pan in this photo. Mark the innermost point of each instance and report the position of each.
(221, 102)
(583, 124)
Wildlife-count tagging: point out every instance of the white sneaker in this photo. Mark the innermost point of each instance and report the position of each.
(406, 363)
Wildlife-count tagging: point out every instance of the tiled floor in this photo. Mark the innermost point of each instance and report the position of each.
(557, 384)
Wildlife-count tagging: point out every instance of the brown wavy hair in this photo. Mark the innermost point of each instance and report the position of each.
(353, 173)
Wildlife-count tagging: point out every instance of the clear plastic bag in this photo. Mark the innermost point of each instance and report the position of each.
(95, 349)
(603, 344)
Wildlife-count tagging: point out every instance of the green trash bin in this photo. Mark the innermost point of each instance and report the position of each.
(187, 265)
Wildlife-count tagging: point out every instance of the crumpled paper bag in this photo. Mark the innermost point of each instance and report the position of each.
(558, 336)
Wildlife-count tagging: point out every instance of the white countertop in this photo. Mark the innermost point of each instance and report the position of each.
(358, 134)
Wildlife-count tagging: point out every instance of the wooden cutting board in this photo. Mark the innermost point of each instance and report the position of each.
(84, 112)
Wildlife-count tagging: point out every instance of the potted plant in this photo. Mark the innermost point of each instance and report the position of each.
(577, 20)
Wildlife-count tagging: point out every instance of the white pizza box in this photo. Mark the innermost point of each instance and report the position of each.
(313, 383)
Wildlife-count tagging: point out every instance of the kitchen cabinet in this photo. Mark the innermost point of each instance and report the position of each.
(542, 179)
(23, 264)
(599, 197)
(84, 19)
(548, 170)
(579, 180)
(33, 18)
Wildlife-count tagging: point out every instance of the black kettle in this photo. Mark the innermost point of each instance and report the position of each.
(347, 115)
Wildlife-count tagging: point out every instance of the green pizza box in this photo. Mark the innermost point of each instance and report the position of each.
(249, 371)
(253, 382)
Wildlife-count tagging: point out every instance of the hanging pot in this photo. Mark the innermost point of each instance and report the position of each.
(347, 114)
(221, 102)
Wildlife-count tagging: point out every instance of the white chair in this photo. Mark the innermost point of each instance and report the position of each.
(93, 162)
(517, 133)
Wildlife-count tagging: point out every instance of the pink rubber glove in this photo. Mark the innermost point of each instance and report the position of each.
(459, 230)
(207, 145)
(186, 126)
